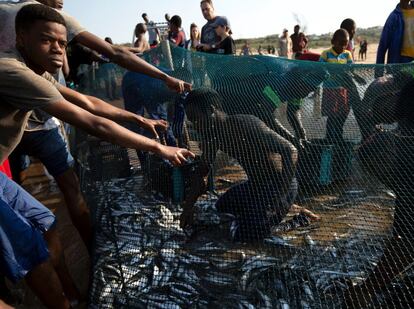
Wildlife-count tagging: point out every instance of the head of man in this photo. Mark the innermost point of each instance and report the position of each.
(41, 38)
(202, 106)
(175, 23)
(296, 29)
(56, 4)
(340, 40)
(140, 29)
(145, 18)
(405, 4)
(350, 26)
(207, 9)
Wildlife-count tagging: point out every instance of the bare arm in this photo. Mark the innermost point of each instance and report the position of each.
(100, 108)
(65, 67)
(128, 60)
(112, 132)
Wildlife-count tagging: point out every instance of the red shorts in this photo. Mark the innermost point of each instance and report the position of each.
(5, 168)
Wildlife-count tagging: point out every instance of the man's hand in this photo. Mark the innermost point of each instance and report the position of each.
(177, 156)
(153, 126)
(203, 47)
(177, 84)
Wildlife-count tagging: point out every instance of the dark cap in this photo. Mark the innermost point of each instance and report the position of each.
(221, 21)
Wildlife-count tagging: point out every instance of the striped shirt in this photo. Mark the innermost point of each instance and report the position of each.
(332, 56)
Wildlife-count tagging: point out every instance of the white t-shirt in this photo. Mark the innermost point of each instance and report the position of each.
(8, 12)
(152, 32)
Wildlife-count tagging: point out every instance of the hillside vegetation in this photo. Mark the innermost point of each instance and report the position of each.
(372, 35)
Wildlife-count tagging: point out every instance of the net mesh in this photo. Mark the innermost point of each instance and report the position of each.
(300, 195)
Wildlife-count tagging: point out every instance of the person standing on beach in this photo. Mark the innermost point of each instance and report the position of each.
(299, 42)
(397, 37)
(285, 44)
(350, 26)
(208, 33)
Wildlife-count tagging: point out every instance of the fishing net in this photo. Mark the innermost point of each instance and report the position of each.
(300, 196)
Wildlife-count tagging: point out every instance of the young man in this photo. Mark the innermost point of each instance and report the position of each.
(350, 26)
(153, 32)
(43, 139)
(176, 35)
(25, 84)
(397, 35)
(268, 160)
(76, 33)
(299, 42)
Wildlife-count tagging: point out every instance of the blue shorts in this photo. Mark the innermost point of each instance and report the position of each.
(49, 147)
(23, 220)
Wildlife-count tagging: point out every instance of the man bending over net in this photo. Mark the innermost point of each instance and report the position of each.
(398, 255)
(268, 159)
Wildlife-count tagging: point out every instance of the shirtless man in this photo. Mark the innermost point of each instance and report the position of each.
(268, 160)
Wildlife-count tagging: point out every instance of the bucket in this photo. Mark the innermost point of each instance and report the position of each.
(315, 163)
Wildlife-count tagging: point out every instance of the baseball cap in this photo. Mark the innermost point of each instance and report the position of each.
(221, 21)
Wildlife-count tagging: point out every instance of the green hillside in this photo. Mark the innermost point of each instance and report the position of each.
(372, 35)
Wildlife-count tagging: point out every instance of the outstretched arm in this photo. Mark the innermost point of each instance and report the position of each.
(289, 160)
(112, 132)
(103, 109)
(128, 60)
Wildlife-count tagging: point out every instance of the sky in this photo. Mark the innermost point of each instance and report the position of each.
(248, 18)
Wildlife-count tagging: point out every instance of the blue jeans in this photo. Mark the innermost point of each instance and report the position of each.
(249, 203)
(23, 220)
(49, 147)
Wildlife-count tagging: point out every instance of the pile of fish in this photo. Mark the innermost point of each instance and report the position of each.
(143, 259)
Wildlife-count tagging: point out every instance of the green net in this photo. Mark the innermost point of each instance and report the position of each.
(300, 195)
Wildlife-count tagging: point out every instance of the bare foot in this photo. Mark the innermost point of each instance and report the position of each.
(301, 210)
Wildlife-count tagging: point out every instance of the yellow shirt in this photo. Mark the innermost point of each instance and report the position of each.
(408, 39)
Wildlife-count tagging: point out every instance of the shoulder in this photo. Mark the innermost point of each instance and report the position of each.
(10, 61)
(325, 52)
(73, 26)
(347, 54)
(20, 85)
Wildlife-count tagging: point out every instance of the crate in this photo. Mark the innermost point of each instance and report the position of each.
(172, 182)
(107, 161)
(343, 157)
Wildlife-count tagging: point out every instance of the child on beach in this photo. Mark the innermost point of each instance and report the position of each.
(141, 44)
(335, 101)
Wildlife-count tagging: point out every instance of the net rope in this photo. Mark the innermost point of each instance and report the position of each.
(269, 133)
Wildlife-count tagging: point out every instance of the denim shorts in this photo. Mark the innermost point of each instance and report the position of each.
(49, 147)
(23, 220)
